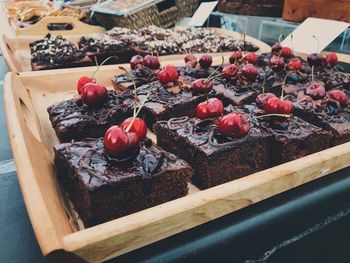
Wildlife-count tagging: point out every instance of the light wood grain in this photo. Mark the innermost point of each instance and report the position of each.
(26, 97)
(16, 50)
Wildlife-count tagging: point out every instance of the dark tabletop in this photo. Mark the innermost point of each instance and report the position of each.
(307, 224)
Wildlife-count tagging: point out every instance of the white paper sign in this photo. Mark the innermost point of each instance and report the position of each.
(202, 13)
(324, 30)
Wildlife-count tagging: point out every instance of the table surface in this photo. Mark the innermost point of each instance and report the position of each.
(307, 224)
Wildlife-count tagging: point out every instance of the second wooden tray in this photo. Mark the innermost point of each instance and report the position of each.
(17, 53)
(27, 95)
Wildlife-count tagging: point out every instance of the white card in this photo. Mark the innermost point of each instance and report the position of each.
(202, 13)
(323, 29)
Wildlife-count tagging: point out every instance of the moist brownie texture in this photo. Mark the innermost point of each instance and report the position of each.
(103, 189)
(72, 119)
(215, 158)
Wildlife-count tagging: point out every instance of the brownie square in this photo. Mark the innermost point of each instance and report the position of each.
(102, 189)
(293, 137)
(72, 119)
(54, 52)
(215, 158)
(140, 76)
(165, 102)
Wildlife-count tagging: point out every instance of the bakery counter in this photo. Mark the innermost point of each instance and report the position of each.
(306, 224)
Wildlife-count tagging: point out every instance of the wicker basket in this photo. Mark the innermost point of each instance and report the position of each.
(252, 7)
(163, 13)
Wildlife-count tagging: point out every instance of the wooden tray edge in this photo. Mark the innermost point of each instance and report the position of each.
(43, 226)
(6, 54)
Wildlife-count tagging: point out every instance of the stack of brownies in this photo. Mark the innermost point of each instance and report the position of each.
(223, 121)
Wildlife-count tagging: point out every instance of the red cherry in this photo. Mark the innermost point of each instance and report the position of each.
(136, 61)
(118, 143)
(339, 96)
(202, 85)
(251, 58)
(276, 48)
(210, 108)
(138, 127)
(230, 71)
(151, 62)
(168, 74)
(262, 98)
(314, 59)
(205, 61)
(190, 58)
(316, 91)
(286, 52)
(295, 63)
(82, 81)
(275, 105)
(332, 59)
(94, 94)
(236, 55)
(276, 63)
(250, 72)
(234, 124)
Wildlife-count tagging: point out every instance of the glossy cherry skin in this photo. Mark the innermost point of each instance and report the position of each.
(295, 64)
(236, 55)
(251, 58)
(190, 58)
(276, 63)
(250, 72)
(151, 62)
(205, 61)
(314, 59)
(230, 71)
(82, 82)
(339, 96)
(138, 127)
(234, 125)
(316, 91)
(94, 94)
(168, 74)
(202, 85)
(119, 144)
(286, 52)
(136, 61)
(210, 108)
(276, 48)
(262, 98)
(277, 106)
(332, 59)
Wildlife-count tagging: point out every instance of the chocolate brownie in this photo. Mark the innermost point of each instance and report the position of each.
(293, 137)
(167, 101)
(72, 119)
(54, 52)
(102, 188)
(140, 76)
(216, 159)
(102, 46)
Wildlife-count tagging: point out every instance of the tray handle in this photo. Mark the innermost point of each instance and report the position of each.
(42, 27)
(7, 52)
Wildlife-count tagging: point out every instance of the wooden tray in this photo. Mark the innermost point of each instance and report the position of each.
(27, 96)
(17, 53)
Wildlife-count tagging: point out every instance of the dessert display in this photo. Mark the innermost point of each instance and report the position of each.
(123, 44)
(53, 52)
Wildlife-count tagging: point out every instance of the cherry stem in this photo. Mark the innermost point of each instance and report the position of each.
(103, 62)
(273, 114)
(318, 43)
(284, 83)
(137, 113)
(291, 42)
(134, 84)
(211, 74)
